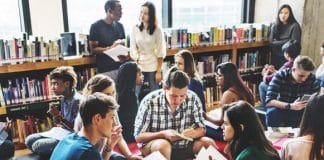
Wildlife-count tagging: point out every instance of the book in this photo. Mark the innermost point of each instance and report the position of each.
(183, 136)
(56, 133)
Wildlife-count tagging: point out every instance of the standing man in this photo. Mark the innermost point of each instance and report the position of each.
(285, 90)
(168, 112)
(98, 113)
(105, 34)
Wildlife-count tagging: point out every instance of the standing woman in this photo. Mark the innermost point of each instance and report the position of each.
(148, 46)
(233, 89)
(284, 29)
(244, 133)
(185, 62)
(129, 75)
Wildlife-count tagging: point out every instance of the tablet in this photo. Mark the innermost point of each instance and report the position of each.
(305, 97)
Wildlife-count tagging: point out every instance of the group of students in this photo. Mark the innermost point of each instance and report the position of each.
(109, 115)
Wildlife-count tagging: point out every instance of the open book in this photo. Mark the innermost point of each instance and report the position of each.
(117, 51)
(183, 136)
(209, 153)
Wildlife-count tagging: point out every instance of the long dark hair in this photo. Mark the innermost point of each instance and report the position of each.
(232, 78)
(313, 124)
(152, 18)
(252, 133)
(291, 18)
(189, 63)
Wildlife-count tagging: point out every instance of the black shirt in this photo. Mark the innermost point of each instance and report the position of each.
(106, 34)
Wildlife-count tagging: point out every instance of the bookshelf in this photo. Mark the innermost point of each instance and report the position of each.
(46, 65)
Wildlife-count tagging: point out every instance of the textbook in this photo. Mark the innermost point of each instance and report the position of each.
(182, 136)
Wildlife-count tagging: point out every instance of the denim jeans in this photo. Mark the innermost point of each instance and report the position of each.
(263, 88)
(150, 77)
(7, 149)
(276, 117)
(41, 145)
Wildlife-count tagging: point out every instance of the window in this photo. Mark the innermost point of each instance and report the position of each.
(82, 13)
(200, 15)
(10, 19)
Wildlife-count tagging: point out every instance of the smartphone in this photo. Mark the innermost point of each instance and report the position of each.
(305, 97)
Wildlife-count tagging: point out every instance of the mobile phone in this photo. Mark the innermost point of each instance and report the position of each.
(305, 97)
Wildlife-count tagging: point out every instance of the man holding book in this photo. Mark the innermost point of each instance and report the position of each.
(63, 82)
(169, 120)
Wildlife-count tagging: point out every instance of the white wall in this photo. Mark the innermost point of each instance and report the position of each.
(46, 18)
(267, 10)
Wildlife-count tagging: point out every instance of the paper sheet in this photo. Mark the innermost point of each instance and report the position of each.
(154, 156)
(209, 153)
(117, 51)
(56, 133)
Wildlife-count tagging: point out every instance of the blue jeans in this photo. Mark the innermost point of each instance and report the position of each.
(41, 145)
(112, 74)
(216, 134)
(150, 78)
(276, 117)
(7, 149)
(263, 88)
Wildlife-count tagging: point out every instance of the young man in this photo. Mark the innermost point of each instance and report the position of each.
(168, 111)
(105, 34)
(285, 90)
(97, 112)
(63, 82)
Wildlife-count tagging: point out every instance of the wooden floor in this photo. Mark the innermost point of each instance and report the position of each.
(22, 152)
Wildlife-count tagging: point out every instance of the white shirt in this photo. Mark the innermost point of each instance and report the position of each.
(146, 48)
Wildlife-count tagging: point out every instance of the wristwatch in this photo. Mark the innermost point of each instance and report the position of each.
(287, 106)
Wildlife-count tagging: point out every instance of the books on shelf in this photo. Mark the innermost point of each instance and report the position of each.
(36, 49)
(217, 35)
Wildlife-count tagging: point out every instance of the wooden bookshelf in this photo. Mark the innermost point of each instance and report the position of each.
(33, 66)
(206, 49)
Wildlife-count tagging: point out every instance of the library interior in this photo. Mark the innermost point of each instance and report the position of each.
(161, 79)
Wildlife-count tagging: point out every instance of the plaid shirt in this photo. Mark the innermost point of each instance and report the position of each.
(283, 89)
(154, 115)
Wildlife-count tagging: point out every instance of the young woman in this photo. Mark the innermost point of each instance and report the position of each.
(129, 75)
(104, 84)
(244, 133)
(147, 46)
(284, 29)
(291, 50)
(233, 89)
(310, 142)
(185, 62)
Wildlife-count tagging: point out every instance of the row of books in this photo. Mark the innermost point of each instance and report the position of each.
(35, 49)
(26, 90)
(22, 128)
(250, 61)
(217, 35)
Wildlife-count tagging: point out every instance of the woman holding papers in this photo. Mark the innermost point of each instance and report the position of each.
(244, 133)
(148, 46)
(233, 89)
(309, 144)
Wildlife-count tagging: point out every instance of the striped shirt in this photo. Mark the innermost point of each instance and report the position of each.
(283, 88)
(154, 115)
